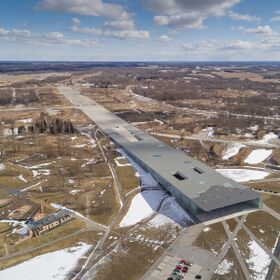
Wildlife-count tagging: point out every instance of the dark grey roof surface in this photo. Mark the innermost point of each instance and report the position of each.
(206, 187)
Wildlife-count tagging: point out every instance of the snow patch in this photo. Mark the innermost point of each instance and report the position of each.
(232, 150)
(55, 265)
(2, 166)
(121, 164)
(258, 156)
(243, 175)
(22, 178)
(141, 207)
(73, 192)
(258, 261)
(160, 221)
(206, 229)
(30, 120)
(224, 267)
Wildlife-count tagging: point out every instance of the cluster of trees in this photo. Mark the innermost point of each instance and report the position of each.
(56, 126)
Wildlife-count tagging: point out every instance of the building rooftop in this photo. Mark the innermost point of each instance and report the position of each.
(206, 187)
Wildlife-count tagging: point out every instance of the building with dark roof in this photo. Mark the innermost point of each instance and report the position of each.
(197, 187)
(49, 222)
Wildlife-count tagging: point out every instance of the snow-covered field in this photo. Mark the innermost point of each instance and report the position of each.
(269, 138)
(232, 150)
(142, 206)
(243, 175)
(29, 120)
(2, 166)
(224, 267)
(258, 261)
(257, 156)
(55, 265)
(160, 220)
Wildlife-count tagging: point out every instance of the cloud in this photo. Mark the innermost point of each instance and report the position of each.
(76, 22)
(86, 7)
(264, 30)
(130, 33)
(276, 18)
(244, 17)
(164, 39)
(186, 14)
(51, 38)
(117, 17)
(181, 21)
(119, 23)
(200, 45)
(238, 46)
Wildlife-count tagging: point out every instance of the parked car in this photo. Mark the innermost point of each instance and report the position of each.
(188, 263)
(185, 270)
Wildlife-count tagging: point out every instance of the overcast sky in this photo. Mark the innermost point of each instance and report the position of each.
(140, 30)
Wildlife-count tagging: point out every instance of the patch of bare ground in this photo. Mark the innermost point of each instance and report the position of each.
(126, 174)
(128, 180)
(231, 224)
(135, 253)
(229, 268)
(276, 274)
(241, 156)
(212, 238)
(265, 227)
(272, 201)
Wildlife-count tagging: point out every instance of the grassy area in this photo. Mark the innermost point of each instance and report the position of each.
(101, 170)
(104, 203)
(213, 239)
(265, 227)
(10, 176)
(130, 262)
(272, 201)
(276, 274)
(232, 224)
(235, 270)
(127, 178)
